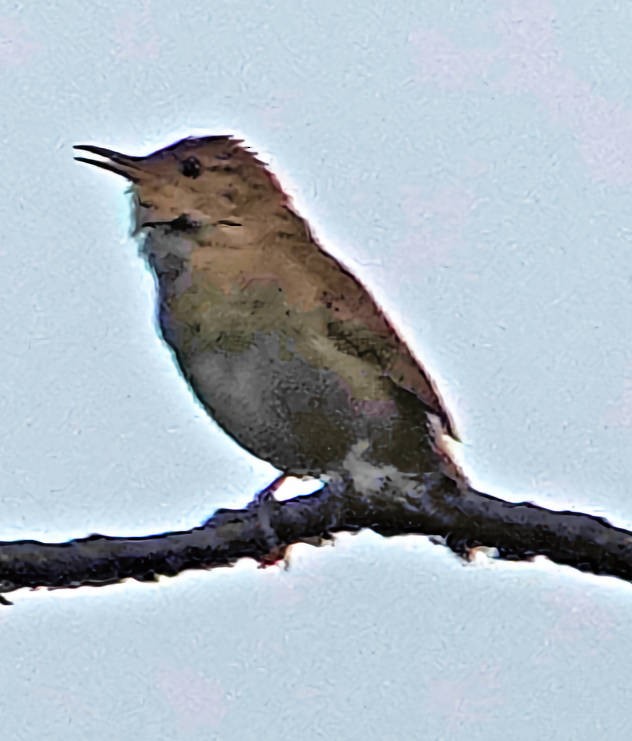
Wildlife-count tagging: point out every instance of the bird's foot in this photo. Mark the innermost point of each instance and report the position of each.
(263, 503)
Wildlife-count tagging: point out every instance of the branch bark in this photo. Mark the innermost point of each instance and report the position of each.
(461, 518)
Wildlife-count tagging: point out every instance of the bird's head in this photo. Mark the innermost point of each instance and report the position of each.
(194, 183)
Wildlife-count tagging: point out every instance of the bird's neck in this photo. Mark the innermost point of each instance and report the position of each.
(180, 259)
(243, 256)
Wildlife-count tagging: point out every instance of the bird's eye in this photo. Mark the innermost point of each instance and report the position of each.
(190, 167)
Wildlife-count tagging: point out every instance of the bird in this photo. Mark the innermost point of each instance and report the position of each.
(284, 347)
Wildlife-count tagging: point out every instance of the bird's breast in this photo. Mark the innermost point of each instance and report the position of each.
(206, 320)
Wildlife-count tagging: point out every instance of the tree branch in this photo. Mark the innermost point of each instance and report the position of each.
(434, 506)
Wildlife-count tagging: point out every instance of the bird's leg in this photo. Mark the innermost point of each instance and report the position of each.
(263, 502)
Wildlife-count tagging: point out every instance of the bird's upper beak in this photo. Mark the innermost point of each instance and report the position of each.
(120, 164)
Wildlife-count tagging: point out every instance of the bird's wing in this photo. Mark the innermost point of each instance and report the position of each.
(314, 280)
(359, 321)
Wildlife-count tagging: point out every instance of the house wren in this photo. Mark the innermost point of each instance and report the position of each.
(283, 346)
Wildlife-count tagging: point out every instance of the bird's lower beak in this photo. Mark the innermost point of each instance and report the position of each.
(120, 164)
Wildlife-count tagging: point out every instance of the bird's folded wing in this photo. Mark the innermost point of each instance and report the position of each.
(314, 280)
(370, 335)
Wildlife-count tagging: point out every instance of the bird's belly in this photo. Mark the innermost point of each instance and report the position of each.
(277, 384)
(275, 403)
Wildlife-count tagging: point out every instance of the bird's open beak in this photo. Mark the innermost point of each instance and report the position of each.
(120, 164)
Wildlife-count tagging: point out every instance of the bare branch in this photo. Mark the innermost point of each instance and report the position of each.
(435, 506)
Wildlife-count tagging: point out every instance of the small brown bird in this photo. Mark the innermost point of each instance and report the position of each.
(284, 347)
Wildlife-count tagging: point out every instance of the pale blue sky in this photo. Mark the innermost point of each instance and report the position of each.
(473, 163)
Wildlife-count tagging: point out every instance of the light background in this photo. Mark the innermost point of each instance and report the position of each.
(472, 161)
